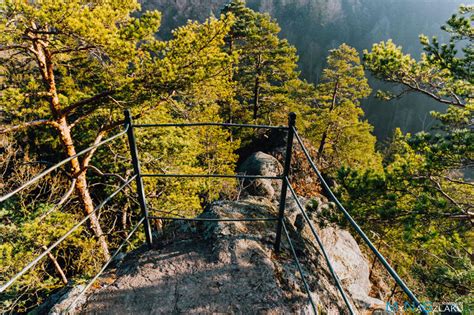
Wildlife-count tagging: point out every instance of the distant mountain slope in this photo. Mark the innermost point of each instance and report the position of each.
(315, 26)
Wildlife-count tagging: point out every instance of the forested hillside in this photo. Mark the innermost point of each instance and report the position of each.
(316, 26)
(70, 68)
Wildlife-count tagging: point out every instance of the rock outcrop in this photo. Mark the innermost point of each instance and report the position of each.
(230, 267)
(260, 163)
(214, 267)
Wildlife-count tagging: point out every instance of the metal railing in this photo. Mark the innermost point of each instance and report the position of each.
(96, 209)
(58, 165)
(138, 177)
(321, 246)
(146, 218)
(356, 227)
(104, 267)
(143, 204)
(62, 238)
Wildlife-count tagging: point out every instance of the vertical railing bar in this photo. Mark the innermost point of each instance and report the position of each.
(139, 179)
(300, 269)
(286, 171)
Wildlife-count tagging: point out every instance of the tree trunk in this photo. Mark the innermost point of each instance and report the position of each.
(45, 62)
(81, 185)
(57, 266)
(255, 97)
(323, 143)
(325, 133)
(256, 90)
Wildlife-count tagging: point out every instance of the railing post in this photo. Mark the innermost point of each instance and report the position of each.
(139, 181)
(284, 185)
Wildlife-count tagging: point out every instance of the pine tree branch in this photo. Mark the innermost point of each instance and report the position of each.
(458, 181)
(86, 101)
(103, 131)
(416, 87)
(98, 171)
(454, 202)
(117, 123)
(75, 49)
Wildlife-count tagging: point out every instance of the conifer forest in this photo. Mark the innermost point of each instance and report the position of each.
(70, 68)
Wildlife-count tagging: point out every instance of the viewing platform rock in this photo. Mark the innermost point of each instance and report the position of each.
(231, 267)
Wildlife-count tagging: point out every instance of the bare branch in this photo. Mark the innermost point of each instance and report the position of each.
(56, 265)
(12, 47)
(64, 198)
(458, 181)
(36, 31)
(40, 122)
(88, 155)
(38, 94)
(98, 171)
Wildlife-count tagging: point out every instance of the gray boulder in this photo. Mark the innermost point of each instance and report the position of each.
(260, 163)
(60, 302)
(350, 265)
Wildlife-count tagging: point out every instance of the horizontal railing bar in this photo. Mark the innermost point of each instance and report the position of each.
(56, 166)
(214, 176)
(300, 269)
(212, 219)
(92, 281)
(359, 231)
(37, 259)
(320, 243)
(209, 124)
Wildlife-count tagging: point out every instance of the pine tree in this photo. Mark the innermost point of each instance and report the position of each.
(265, 62)
(56, 70)
(190, 72)
(342, 137)
(422, 202)
(96, 75)
(446, 56)
(444, 77)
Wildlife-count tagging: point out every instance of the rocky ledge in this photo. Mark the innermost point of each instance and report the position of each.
(230, 267)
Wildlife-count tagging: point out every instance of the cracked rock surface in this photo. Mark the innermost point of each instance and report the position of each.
(225, 268)
(187, 278)
(209, 268)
